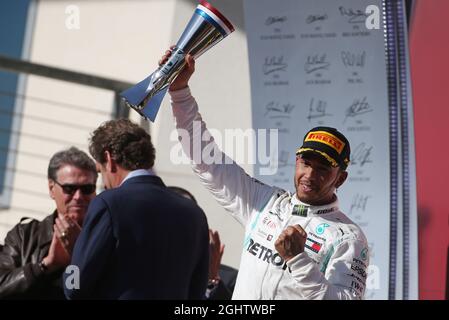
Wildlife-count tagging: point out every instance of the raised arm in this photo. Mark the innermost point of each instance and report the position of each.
(230, 185)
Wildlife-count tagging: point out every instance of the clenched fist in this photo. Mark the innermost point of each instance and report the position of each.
(182, 80)
(291, 242)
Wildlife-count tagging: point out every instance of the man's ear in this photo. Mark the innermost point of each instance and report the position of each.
(341, 178)
(111, 165)
(51, 188)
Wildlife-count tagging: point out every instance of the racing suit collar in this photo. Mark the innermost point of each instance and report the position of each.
(303, 209)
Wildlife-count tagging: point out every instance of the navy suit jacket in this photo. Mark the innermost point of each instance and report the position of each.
(141, 241)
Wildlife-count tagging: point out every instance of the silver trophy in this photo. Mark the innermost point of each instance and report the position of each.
(205, 29)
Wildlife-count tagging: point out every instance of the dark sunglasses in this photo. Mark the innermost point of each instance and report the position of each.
(70, 189)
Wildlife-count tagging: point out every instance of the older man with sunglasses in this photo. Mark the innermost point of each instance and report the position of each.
(35, 252)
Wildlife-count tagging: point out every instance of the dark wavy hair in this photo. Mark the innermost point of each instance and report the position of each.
(73, 157)
(129, 145)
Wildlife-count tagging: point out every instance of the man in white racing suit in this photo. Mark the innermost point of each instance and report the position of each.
(296, 246)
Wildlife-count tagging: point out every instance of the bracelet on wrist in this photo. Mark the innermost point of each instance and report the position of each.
(43, 266)
(213, 283)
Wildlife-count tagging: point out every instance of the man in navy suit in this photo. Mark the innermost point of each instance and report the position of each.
(139, 240)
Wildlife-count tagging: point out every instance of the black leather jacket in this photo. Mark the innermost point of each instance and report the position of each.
(20, 274)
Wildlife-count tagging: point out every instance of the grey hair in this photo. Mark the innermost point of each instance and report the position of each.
(74, 157)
